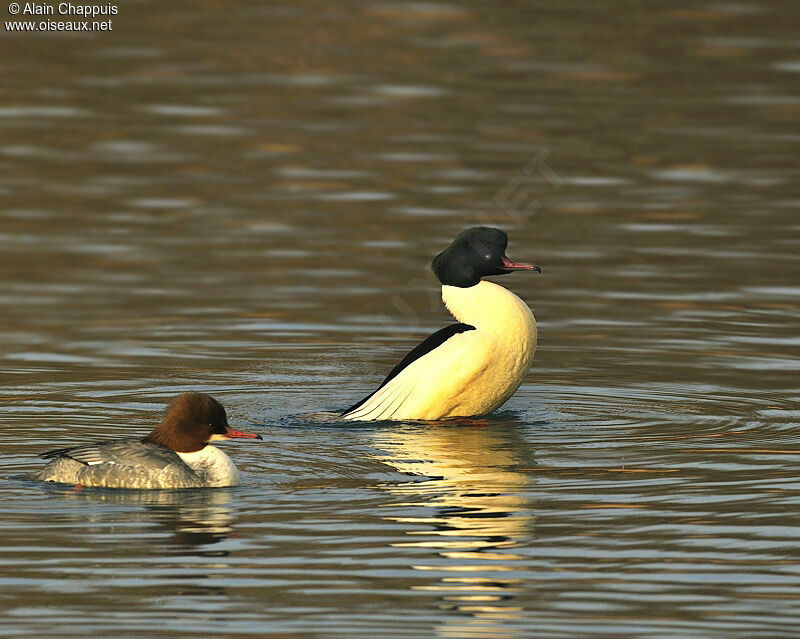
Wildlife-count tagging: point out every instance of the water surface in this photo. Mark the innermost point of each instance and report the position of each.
(243, 199)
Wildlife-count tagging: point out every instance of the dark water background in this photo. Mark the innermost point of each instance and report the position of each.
(243, 198)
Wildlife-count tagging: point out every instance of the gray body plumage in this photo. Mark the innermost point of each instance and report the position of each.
(126, 463)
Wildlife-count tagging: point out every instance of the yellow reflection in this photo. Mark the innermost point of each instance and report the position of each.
(490, 609)
(481, 555)
(474, 512)
(475, 489)
(469, 568)
(461, 588)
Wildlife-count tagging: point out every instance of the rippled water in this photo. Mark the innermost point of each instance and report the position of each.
(243, 199)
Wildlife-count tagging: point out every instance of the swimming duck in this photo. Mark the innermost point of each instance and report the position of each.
(470, 368)
(176, 454)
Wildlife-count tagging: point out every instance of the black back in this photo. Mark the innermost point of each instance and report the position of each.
(425, 347)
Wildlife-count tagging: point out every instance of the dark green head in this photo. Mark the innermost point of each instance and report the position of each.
(476, 253)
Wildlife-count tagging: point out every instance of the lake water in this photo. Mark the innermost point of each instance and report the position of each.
(244, 198)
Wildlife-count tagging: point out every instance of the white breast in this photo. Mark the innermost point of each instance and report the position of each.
(213, 467)
(491, 308)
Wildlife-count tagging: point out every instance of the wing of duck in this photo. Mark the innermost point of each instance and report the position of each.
(127, 452)
(398, 395)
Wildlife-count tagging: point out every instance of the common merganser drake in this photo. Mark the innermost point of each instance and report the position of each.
(470, 368)
(175, 455)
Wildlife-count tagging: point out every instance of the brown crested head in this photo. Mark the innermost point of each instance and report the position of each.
(192, 420)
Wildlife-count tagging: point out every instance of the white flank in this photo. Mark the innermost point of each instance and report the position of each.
(472, 373)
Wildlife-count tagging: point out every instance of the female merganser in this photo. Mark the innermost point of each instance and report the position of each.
(473, 367)
(175, 455)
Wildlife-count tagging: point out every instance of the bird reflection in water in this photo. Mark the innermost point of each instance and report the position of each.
(477, 513)
(194, 518)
